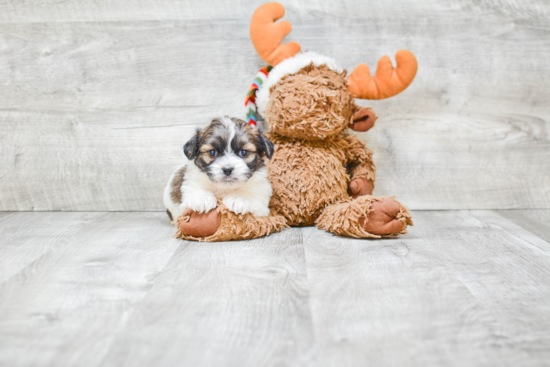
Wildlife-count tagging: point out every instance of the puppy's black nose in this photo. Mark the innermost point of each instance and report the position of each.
(227, 170)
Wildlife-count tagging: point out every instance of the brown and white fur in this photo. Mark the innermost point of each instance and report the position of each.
(226, 161)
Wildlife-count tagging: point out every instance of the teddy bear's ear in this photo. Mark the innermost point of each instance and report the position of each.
(363, 120)
(387, 81)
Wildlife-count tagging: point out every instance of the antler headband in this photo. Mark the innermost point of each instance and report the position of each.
(267, 37)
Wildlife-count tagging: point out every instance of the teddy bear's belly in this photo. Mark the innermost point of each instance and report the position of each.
(305, 180)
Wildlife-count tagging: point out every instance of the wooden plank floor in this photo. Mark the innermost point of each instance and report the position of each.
(464, 288)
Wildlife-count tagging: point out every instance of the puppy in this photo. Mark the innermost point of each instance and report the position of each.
(226, 161)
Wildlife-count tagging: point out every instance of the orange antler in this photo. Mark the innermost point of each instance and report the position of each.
(387, 81)
(266, 35)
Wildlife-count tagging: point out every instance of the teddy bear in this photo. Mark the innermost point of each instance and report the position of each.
(320, 174)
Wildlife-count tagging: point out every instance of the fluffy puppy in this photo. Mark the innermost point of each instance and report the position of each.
(226, 161)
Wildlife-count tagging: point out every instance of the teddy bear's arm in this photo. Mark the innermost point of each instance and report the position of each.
(359, 158)
(361, 166)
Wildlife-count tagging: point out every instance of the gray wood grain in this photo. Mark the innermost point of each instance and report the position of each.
(223, 304)
(26, 237)
(535, 221)
(97, 98)
(463, 288)
(65, 306)
(5, 214)
(457, 290)
(13, 11)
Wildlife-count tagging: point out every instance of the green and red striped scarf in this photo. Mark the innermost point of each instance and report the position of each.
(250, 100)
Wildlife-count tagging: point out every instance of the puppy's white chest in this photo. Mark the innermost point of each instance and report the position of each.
(200, 194)
(221, 192)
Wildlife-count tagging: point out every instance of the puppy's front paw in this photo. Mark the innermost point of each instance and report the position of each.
(201, 203)
(236, 204)
(259, 209)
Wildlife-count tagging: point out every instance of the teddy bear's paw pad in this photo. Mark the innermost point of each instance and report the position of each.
(199, 224)
(382, 219)
(360, 187)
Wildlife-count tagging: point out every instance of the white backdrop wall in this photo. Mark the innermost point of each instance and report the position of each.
(98, 97)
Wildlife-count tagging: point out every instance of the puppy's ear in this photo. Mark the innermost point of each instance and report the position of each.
(265, 145)
(191, 148)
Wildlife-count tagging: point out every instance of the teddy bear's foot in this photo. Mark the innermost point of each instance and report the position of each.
(193, 225)
(220, 224)
(384, 218)
(366, 217)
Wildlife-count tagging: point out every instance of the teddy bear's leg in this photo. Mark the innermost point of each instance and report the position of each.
(366, 217)
(220, 224)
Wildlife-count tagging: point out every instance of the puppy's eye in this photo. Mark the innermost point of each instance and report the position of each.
(244, 153)
(212, 153)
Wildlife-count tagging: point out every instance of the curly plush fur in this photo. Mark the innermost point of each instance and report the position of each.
(350, 217)
(236, 226)
(307, 176)
(313, 104)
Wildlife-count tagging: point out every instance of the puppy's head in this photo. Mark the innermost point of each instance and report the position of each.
(228, 150)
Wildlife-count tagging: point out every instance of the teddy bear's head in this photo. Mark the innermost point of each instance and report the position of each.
(306, 95)
(311, 104)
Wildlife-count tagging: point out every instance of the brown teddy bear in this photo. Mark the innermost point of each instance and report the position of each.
(320, 175)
